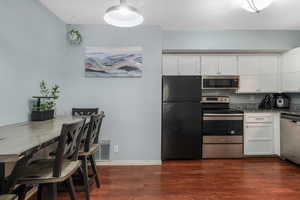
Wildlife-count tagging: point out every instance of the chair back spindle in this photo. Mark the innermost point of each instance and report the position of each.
(93, 133)
(68, 145)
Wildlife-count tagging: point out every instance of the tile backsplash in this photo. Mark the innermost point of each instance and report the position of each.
(250, 101)
(234, 97)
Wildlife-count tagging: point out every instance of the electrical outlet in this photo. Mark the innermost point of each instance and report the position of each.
(116, 148)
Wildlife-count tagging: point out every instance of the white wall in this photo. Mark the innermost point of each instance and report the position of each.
(132, 105)
(32, 49)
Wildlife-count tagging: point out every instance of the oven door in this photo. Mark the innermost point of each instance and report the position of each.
(220, 82)
(222, 124)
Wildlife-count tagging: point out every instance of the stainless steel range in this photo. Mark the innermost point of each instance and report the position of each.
(222, 128)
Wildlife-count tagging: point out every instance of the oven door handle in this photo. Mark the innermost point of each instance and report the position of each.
(223, 118)
(227, 115)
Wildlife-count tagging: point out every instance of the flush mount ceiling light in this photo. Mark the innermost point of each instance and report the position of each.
(255, 5)
(123, 15)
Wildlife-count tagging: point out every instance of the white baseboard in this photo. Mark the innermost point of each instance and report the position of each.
(128, 162)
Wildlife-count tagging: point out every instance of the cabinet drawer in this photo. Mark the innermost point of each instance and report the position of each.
(260, 131)
(259, 148)
(222, 139)
(264, 118)
(222, 150)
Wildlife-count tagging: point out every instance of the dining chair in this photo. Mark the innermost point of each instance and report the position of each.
(8, 197)
(49, 172)
(84, 111)
(88, 149)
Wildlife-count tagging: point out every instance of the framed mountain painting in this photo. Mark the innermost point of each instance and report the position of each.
(113, 62)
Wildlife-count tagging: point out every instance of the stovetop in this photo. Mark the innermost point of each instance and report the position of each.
(223, 111)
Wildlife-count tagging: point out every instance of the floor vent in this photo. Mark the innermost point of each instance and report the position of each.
(104, 153)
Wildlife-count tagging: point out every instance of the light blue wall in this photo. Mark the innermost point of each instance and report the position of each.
(32, 47)
(132, 105)
(231, 40)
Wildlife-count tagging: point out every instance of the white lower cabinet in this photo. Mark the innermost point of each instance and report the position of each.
(259, 139)
(260, 134)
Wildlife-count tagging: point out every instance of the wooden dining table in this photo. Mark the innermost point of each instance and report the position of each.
(19, 142)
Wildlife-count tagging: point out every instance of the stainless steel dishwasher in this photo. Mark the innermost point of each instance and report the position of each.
(290, 137)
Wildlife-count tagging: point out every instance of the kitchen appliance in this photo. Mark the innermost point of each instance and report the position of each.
(181, 117)
(290, 137)
(268, 102)
(275, 101)
(282, 101)
(222, 128)
(220, 82)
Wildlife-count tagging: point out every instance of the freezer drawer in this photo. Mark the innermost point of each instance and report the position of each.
(222, 150)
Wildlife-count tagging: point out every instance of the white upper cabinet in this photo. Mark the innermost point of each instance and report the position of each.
(210, 65)
(268, 83)
(258, 74)
(170, 65)
(291, 61)
(228, 65)
(248, 65)
(249, 84)
(290, 73)
(185, 65)
(268, 65)
(189, 65)
(219, 65)
(291, 82)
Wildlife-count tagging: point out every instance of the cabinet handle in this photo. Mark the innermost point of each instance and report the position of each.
(259, 118)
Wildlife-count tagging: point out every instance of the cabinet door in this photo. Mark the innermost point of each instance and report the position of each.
(189, 65)
(248, 65)
(291, 82)
(290, 77)
(210, 65)
(291, 61)
(170, 65)
(268, 83)
(249, 84)
(258, 139)
(228, 65)
(268, 64)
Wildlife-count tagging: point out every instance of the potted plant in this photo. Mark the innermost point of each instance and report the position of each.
(44, 107)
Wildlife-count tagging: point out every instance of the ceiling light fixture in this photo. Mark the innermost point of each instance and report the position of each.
(255, 6)
(123, 15)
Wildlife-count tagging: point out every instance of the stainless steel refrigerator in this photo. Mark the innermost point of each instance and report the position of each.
(181, 117)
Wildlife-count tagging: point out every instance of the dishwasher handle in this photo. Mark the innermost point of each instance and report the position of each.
(297, 123)
(291, 117)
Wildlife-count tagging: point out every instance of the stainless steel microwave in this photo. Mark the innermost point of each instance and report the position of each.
(220, 82)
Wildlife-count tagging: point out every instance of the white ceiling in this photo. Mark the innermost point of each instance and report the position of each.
(185, 14)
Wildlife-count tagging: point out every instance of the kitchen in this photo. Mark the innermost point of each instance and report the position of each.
(248, 130)
(199, 99)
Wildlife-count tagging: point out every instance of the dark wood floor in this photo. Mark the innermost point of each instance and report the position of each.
(254, 178)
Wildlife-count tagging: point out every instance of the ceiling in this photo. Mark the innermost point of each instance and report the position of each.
(185, 14)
